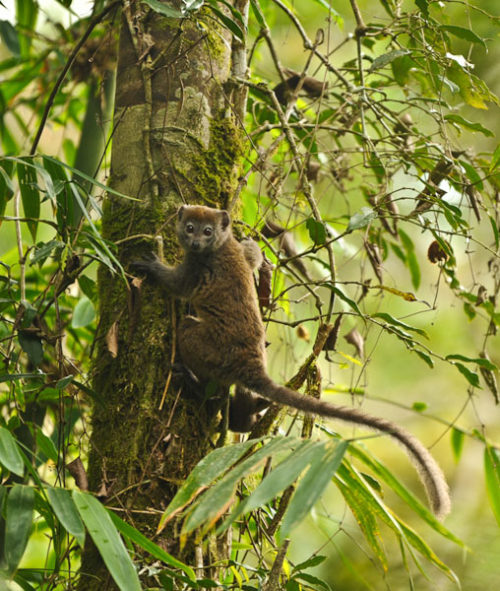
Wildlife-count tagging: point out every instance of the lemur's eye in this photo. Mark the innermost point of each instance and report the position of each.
(208, 231)
(189, 228)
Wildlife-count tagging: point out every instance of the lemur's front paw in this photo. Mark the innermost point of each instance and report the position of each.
(144, 266)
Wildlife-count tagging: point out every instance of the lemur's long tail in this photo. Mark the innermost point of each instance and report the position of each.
(430, 473)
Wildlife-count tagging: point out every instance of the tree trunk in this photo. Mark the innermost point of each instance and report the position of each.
(176, 140)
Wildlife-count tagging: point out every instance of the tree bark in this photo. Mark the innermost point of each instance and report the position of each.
(176, 139)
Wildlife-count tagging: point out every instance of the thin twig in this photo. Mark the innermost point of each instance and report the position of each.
(48, 105)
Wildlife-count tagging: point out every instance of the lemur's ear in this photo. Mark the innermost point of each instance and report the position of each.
(180, 211)
(225, 218)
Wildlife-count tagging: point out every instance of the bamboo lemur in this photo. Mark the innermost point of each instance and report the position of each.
(225, 342)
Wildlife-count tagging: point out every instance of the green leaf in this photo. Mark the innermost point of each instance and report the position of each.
(10, 38)
(472, 89)
(229, 23)
(310, 562)
(423, 6)
(105, 536)
(44, 249)
(10, 457)
(395, 322)
(457, 442)
(362, 507)
(205, 472)
(495, 158)
(471, 376)
(463, 33)
(30, 195)
(481, 361)
(317, 231)
(411, 258)
(361, 219)
(403, 532)
(492, 476)
(313, 484)
(46, 446)
(257, 10)
(19, 515)
(146, 544)
(496, 233)
(383, 473)
(6, 189)
(387, 58)
(345, 299)
(67, 513)
(83, 314)
(214, 502)
(453, 118)
(282, 476)
(31, 344)
(163, 9)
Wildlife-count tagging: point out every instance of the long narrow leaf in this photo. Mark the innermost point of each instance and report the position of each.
(312, 485)
(365, 519)
(211, 467)
(19, 515)
(215, 501)
(280, 478)
(146, 544)
(492, 476)
(387, 476)
(105, 536)
(30, 196)
(67, 513)
(9, 453)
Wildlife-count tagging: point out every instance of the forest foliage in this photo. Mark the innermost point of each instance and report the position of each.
(368, 167)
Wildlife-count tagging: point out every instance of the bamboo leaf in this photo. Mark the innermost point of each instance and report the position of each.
(67, 513)
(492, 476)
(205, 472)
(345, 298)
(105, 536)
(457, 442)
(453, 118)
(404, 533)
(30, 195)
(215, 501)
(357, 501)
(383, 473)
(10, 457)
(313, 483)
(481, 361)
(391, 320)
(19, 515)
(146, 544)
(285, 473)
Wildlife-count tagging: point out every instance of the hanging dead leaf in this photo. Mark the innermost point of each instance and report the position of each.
(436, 254)
(112, 340)
(303, 333)
(264, 285)
(489, 377)
(355, 338)
(77, 470)
(331, 341)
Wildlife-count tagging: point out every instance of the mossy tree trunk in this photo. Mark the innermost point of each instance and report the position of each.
(176, 140)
